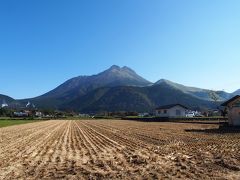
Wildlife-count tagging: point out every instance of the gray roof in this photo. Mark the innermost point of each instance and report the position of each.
(169, 106)
(230, 100)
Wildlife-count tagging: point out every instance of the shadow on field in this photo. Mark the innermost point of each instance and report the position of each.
(220, 130)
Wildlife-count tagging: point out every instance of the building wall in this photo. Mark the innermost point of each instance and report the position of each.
(172, 112)
(234, 116)
(234, 112)
(160, 113)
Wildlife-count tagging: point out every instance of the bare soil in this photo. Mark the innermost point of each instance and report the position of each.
(105, 149)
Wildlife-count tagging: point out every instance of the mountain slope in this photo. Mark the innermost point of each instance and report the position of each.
(124, 98)
(79, 86)
(119, 89)
(114, 76)
(134, 99)
(237, 92)
(5, 98)
(196, 92)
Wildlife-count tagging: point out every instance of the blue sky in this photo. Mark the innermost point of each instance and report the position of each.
(43, 43)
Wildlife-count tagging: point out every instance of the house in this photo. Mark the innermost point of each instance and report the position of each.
(172, 110)
(233, 110)
(20, 114)
(38, 114)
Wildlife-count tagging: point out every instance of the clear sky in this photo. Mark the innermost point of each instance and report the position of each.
(45, 42)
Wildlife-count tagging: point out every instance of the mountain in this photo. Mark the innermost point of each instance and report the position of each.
(79, 86)
(114, 76)
(121, 98)
(6, 101)
(135, 99)
(195, 92)
(5, 98)
(237, 92)
(122, 89)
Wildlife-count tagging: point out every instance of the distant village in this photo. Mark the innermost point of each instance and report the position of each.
(230, 108)
(170, 111)
(26, 111)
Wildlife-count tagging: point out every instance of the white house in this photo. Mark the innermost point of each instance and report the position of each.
(172, 110)
(233, 109)
(20, 114)
(39, 114)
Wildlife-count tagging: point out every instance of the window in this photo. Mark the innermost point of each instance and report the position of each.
(165, 111)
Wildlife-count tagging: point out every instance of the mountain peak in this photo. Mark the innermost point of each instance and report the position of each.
(114, 67)
(112, 77)
(124, 68)
(122, 76)
(164, 81)
(120, 70)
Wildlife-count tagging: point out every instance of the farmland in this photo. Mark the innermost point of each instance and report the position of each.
(99, 149)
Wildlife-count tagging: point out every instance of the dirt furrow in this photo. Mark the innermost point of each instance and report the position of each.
(22, 136)
(103, 139)
(19, 164)
(104, 149)
(119, 136)
(48, 159)
(17, 149)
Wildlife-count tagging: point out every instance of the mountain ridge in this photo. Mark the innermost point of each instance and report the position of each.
(196, 92)
(6, 98)
(120, 88)
(134, 99)
(114, 76)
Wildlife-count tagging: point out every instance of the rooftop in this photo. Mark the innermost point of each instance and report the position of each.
(230, 100)
(170, 106)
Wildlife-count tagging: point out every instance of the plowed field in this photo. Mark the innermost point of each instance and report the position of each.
(104, 149)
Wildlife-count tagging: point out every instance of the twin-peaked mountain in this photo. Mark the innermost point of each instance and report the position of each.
(122, 89)
(115, 76)
(82, 85)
